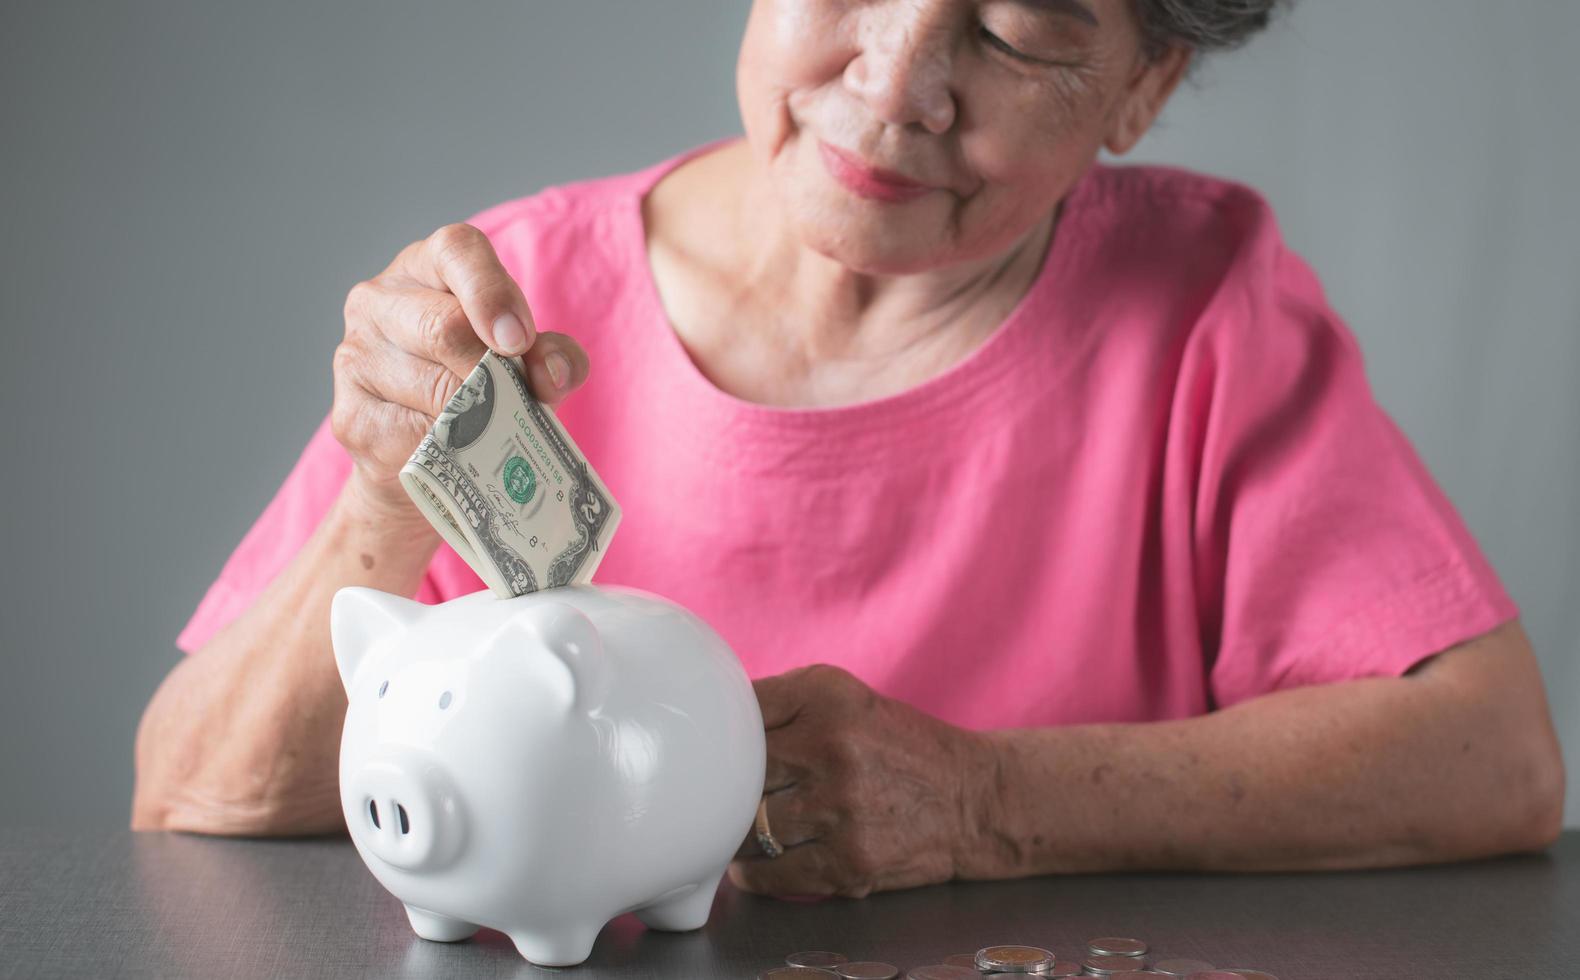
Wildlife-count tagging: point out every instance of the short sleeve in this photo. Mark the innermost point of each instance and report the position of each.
(279, 533)
(1325, 550)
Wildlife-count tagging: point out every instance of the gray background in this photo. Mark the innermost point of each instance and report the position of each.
(187, 190)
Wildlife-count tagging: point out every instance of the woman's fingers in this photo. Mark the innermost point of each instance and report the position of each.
(391, 374)
(797, 796)
(795, 818)
(460, 260)
(864, 792)
(379, 434)
(556, 366)
(426, 323)
(811, 869)
(782, 697)
(433, 326)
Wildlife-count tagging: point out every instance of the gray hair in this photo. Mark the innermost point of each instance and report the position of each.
(1203, 25)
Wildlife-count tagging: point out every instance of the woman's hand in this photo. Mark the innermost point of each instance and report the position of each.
(413, 334)
(864, 792)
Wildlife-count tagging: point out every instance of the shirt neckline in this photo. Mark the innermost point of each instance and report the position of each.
(975, 382)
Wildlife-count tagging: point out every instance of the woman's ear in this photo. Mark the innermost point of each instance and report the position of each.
(1154, 80)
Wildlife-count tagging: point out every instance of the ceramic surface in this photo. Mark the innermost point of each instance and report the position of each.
(542, 764)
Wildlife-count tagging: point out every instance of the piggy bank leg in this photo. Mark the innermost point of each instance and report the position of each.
(564, 946)
(439, 928)
(684, 912)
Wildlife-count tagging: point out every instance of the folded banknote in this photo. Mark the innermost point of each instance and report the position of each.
(503, 483)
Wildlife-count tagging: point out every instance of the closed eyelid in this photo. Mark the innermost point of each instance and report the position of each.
(1017, 54)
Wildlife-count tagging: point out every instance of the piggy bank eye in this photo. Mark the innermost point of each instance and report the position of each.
(444, 700)
(383, 687)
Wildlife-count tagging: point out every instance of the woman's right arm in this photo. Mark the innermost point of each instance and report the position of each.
(243, 736)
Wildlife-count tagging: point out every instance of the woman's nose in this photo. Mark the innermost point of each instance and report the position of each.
(904, 68)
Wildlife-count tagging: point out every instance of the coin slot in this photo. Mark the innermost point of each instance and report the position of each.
(373, 812)
(405, 825)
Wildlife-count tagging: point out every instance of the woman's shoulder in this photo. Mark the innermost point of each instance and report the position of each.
(1165, 191)
(576, 206)
(1166, 213)
(565, 210)
(588, 230)
(1190, 234)
(1205, 256)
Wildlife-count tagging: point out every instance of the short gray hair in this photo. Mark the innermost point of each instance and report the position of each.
(1204, 25)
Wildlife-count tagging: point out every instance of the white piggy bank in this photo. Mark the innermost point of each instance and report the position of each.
(542, 764)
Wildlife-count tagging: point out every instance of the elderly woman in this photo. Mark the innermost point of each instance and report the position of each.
(1046, 499)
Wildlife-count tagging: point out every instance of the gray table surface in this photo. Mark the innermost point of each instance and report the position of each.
(80, 904)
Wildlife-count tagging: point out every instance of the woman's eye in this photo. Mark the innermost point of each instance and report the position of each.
(995, 41)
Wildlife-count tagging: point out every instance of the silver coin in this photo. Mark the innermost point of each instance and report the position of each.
(1103, 966)
(1116, 946)
(1180, 968)
(1253, 974)
(867, 970)
(796, 973)
(1014, 959)
(816, 957)
(944, 971)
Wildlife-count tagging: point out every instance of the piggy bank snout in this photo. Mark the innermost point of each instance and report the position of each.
(405, 811)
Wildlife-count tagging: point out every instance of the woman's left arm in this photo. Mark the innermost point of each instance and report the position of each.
(1455, 760)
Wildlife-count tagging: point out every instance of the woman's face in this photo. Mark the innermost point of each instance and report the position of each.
(993, 107)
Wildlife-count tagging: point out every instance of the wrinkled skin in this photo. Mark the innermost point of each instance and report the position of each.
(864, 792)
(928, 89)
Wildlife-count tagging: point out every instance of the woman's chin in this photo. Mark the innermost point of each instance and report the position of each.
(878, 250)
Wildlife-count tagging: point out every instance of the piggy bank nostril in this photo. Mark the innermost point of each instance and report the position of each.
(403, 812)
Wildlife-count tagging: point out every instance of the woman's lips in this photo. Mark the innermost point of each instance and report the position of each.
(869, 182)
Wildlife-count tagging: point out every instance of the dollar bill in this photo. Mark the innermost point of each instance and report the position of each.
(505, 486)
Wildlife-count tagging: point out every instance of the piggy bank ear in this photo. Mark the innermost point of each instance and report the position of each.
(359, 619)
(566, 633)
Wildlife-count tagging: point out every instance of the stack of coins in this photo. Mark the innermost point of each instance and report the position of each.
(1015, 959)
(1113, 957)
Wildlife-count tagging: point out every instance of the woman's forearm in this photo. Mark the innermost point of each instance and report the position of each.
(1360, 774)
(242, 737)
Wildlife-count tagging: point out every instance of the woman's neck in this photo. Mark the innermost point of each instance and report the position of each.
(769, 320)
(830, 312)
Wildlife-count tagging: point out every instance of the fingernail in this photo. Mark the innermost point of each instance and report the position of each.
(559, 369)
(509, 335)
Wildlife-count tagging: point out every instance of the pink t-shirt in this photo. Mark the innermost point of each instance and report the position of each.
(1160, 487)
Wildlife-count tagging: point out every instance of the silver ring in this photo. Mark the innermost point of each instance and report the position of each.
(765, 837)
